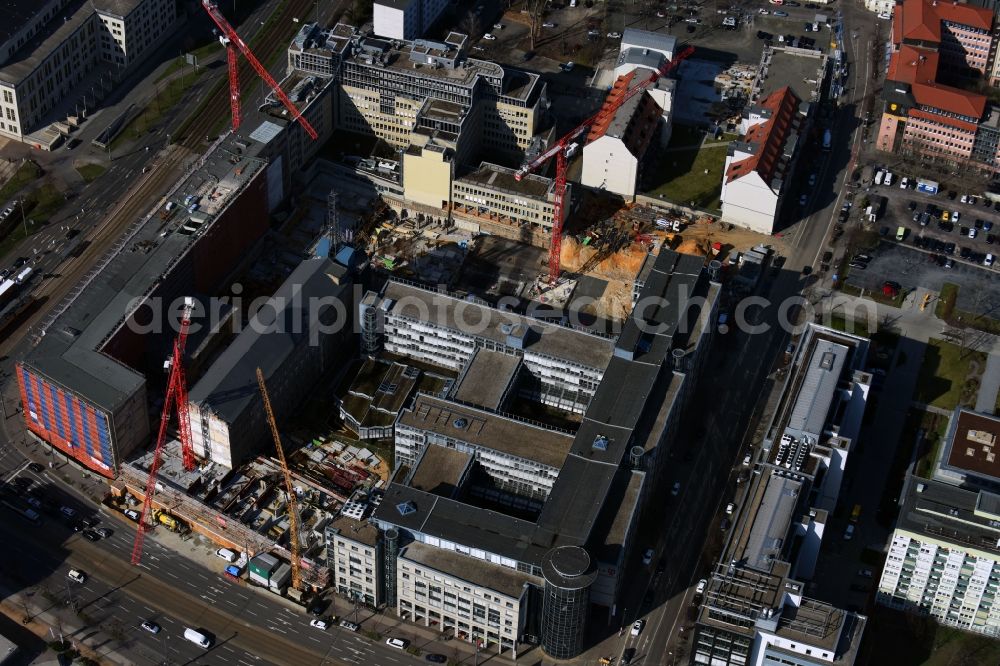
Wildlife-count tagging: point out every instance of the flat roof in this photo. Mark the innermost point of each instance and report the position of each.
(794, 69)
(229, 386)
(379, 390)
(502, 179)
(473, 317)
(51, 37)
(14, 15)
(771, 519)
(816, 392)
(973, 444)
(488, 430)
(69, 351)
(487, 377)
(503, 580)
(963, 516)
(440, 470)
(359, 530)
(645, 39)
(625, 512)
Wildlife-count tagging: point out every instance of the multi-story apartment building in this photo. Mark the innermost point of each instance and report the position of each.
(406, 19)
(936, 44)
(386, 86)
(944, 557)
(49, 53)
(759, 165)
(562, 366)
(753, 611)
(354, 553)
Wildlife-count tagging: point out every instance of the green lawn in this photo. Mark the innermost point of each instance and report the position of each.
(946, 310)
(839, 323)
(946, 300)
(25, 174)
(690, 172)
(944, 376)
(90, 172)
(40, 204)
(934, 427)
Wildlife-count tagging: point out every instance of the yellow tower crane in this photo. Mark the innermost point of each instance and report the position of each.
(293, 505)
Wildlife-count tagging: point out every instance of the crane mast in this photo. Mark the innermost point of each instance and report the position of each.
(234, 41)
(293, 505)
(176, 397)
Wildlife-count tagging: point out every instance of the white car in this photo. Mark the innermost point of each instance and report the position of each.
(568, 67)
(489, 37)
(803, 199)
(812, 179)
(614, 35)
(498, 26)
(849, 533)
(350, 626)
(763, 12)
(77, 576)
(637, 627)
(972, 232)
(702, 584)
(318, 623)
(747, 459)
(885, 16)
(903, 184)
(661, 14)
(692, 19)
(151, 627)
(647, 557)
(676, 490)
(730, 508)
(988, 261)
(397, 643)
(964, 199)
(548, 24)
(955, 216)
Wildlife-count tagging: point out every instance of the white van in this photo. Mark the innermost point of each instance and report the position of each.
(197, 637)
(227, 555)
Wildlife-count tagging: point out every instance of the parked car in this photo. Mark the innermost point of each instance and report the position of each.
(37, 468)
(849, 533)
(398, 643)
(780, 13)
(700, 588)
(988, 260)
(614, 35)
(77, 576)
(436, 658)
(730, 508)
(548, 24)
(489, 37)
(350, 626)
(647, 557)
(676, 490)
(318, 623)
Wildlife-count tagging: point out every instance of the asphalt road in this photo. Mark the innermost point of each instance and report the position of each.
(248, 627)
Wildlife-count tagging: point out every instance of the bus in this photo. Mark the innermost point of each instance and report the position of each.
(855, 513)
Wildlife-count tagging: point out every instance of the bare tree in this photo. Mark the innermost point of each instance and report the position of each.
(535, 14)
(471, 24)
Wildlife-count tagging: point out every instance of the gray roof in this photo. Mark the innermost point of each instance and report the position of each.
(14, 15)
(645, 39)
(641, 58)
(48, 39)
(68, 354)
(771, 520)
(945, 512)
(498, 578)
(487, 377)
(229, 386)
(484, 321)
(116, 7)
(812, 404)
(441, 470)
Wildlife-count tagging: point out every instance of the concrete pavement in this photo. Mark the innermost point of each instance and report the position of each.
(989, 385)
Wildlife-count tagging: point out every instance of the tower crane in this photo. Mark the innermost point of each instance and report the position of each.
(558, 150)
(293, 505)
(177, 396)
(233, 42)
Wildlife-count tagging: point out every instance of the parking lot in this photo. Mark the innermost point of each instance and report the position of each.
(898, 262)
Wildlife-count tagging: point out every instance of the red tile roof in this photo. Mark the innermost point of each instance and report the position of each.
(944, 120)
(913, 65)
(768, 136)
(617, 91)
(920, 20)
(949, 99)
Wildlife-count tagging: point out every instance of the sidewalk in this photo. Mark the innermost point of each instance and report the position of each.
(41, 617)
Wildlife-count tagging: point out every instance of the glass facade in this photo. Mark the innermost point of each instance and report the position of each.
(569, 574)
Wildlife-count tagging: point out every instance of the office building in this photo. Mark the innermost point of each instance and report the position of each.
(560, 366)
(83, 386)
(377, 393)
(353, 552)
(944, 557)
(394, 90)
(643, 50)
(406, 19)
(935, 45)
(616, 147)
(759, 165)
(541, 532)
(753, 610)
(300, 333)
(52, 53)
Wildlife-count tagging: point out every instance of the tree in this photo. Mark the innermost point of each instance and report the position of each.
(471, 24)
(535, 15)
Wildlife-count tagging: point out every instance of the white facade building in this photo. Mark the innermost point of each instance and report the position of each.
(406, 19)
(881, 6)
(353, 555)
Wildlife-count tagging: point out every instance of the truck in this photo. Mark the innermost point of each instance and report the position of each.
(927, 186)
(167, 520)
(23, 275)
(879, 176)
(827, 139)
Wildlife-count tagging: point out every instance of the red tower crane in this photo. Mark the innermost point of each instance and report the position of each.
(233, 41)
(176, 396)
(558, 150)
